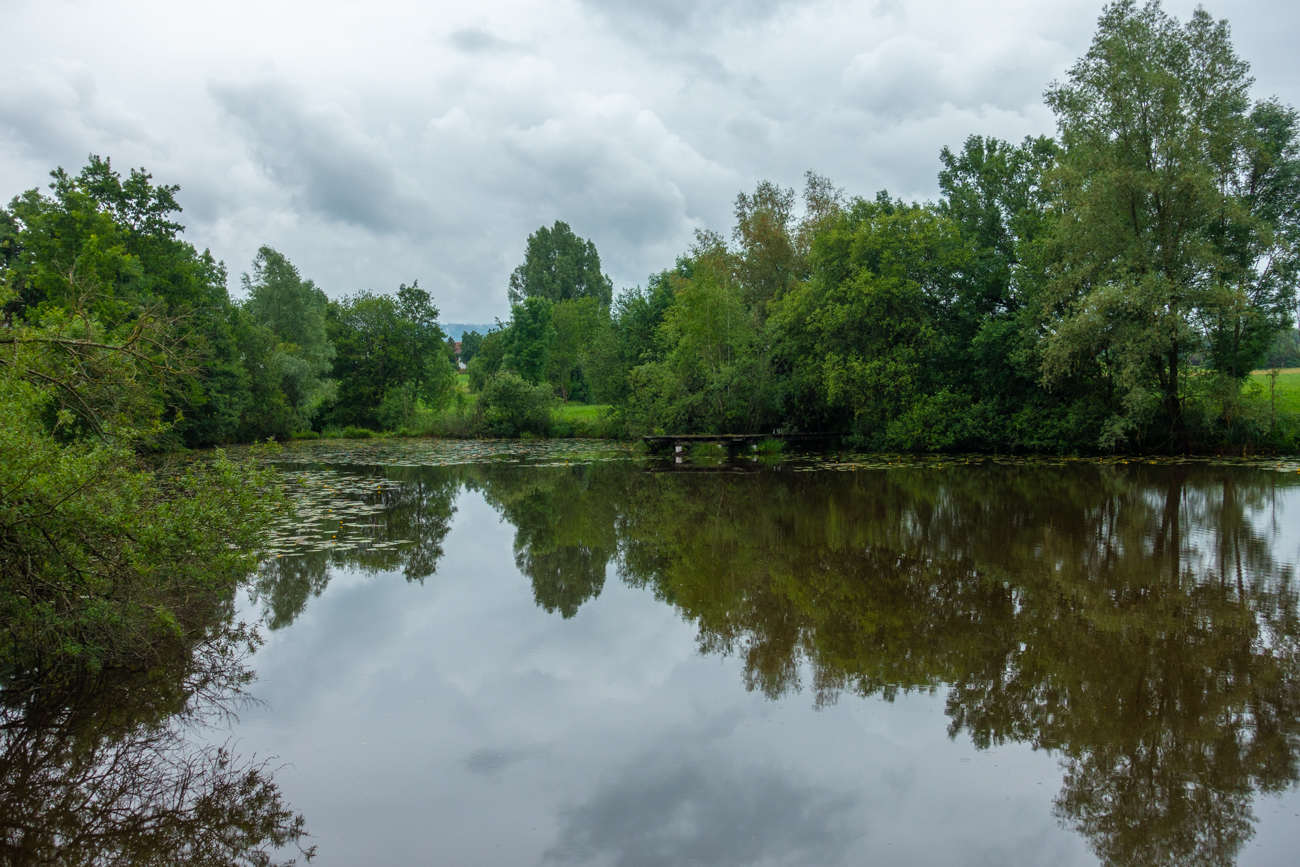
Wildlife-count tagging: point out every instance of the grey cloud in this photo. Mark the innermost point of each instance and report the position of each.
(432, 140)
(490, 762)
(59, 113)
(321, 155)
(681, 15)
(475, 40)
(909, 76)
(698, 810)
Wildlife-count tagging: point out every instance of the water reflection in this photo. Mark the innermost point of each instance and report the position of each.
(104, 770)
(1135, 620)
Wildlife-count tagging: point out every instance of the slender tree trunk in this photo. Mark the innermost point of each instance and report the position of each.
(1174, 406)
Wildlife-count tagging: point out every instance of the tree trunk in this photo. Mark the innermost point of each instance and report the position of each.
(1174, 406)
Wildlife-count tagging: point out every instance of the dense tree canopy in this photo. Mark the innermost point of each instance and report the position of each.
(391, 353)
(1177, 224)
(1109, 289)
(559, 266)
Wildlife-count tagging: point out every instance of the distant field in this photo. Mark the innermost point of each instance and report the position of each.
(1288, 388)
(581, 411)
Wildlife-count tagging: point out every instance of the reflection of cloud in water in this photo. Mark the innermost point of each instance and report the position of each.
(687, 811)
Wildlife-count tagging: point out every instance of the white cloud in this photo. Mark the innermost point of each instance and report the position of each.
(379, 142)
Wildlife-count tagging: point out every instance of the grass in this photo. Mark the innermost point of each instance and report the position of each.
(584, 420)
(581, 411)
(708, 452)
(1287, 390)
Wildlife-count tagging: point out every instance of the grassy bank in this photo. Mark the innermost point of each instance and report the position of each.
(1285, 392)
(463, 420)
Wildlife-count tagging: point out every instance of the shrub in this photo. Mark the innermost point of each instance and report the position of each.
(399, 407)
(352, 432)
(304, 435)
(512, 405)
(708, 452)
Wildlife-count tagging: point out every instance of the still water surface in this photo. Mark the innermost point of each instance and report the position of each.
(495, 655)
(567, 655)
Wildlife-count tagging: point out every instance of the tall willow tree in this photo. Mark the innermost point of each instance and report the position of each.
(1176, 237)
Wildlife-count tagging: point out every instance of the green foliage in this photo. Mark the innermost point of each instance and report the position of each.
(1108, 291)
(576, 325)
(298, 364)
(487, 360)
(470, 342)
(387, 349)
(109, 247)
(352, 432)
(559, 266)
(514, 406)
(529, 339)
(1172, 239)
(107, 561)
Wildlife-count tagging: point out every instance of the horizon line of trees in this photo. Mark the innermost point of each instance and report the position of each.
(107, 249)
(1110, 288)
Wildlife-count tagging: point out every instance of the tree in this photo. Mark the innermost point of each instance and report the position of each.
(868, 322)
(769, 262)
(488, 358)
(530, 337)
(560, 266)
(576, 324)
(110, 247)
(1172, 239)
(470, 342)
(293, 311)
(386, 347)
(512, 405)
(103, 558)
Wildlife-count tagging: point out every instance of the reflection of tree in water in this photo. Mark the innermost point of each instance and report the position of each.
(565, 535)
(1131, 619)
(104, 770)
(565, 530)
(418, 504)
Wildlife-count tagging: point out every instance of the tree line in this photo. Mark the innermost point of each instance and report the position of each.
(284, 359)
(1109, 288)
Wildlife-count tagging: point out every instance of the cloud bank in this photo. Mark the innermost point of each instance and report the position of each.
(382, 142)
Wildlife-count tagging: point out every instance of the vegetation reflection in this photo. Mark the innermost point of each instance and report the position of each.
(112, 769)
(1133, 619)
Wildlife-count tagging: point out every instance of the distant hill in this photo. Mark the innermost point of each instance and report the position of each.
(456, 329)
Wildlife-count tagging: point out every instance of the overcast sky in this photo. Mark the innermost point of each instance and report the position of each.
(379, 142)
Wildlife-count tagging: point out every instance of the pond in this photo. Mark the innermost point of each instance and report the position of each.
(560, 654)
